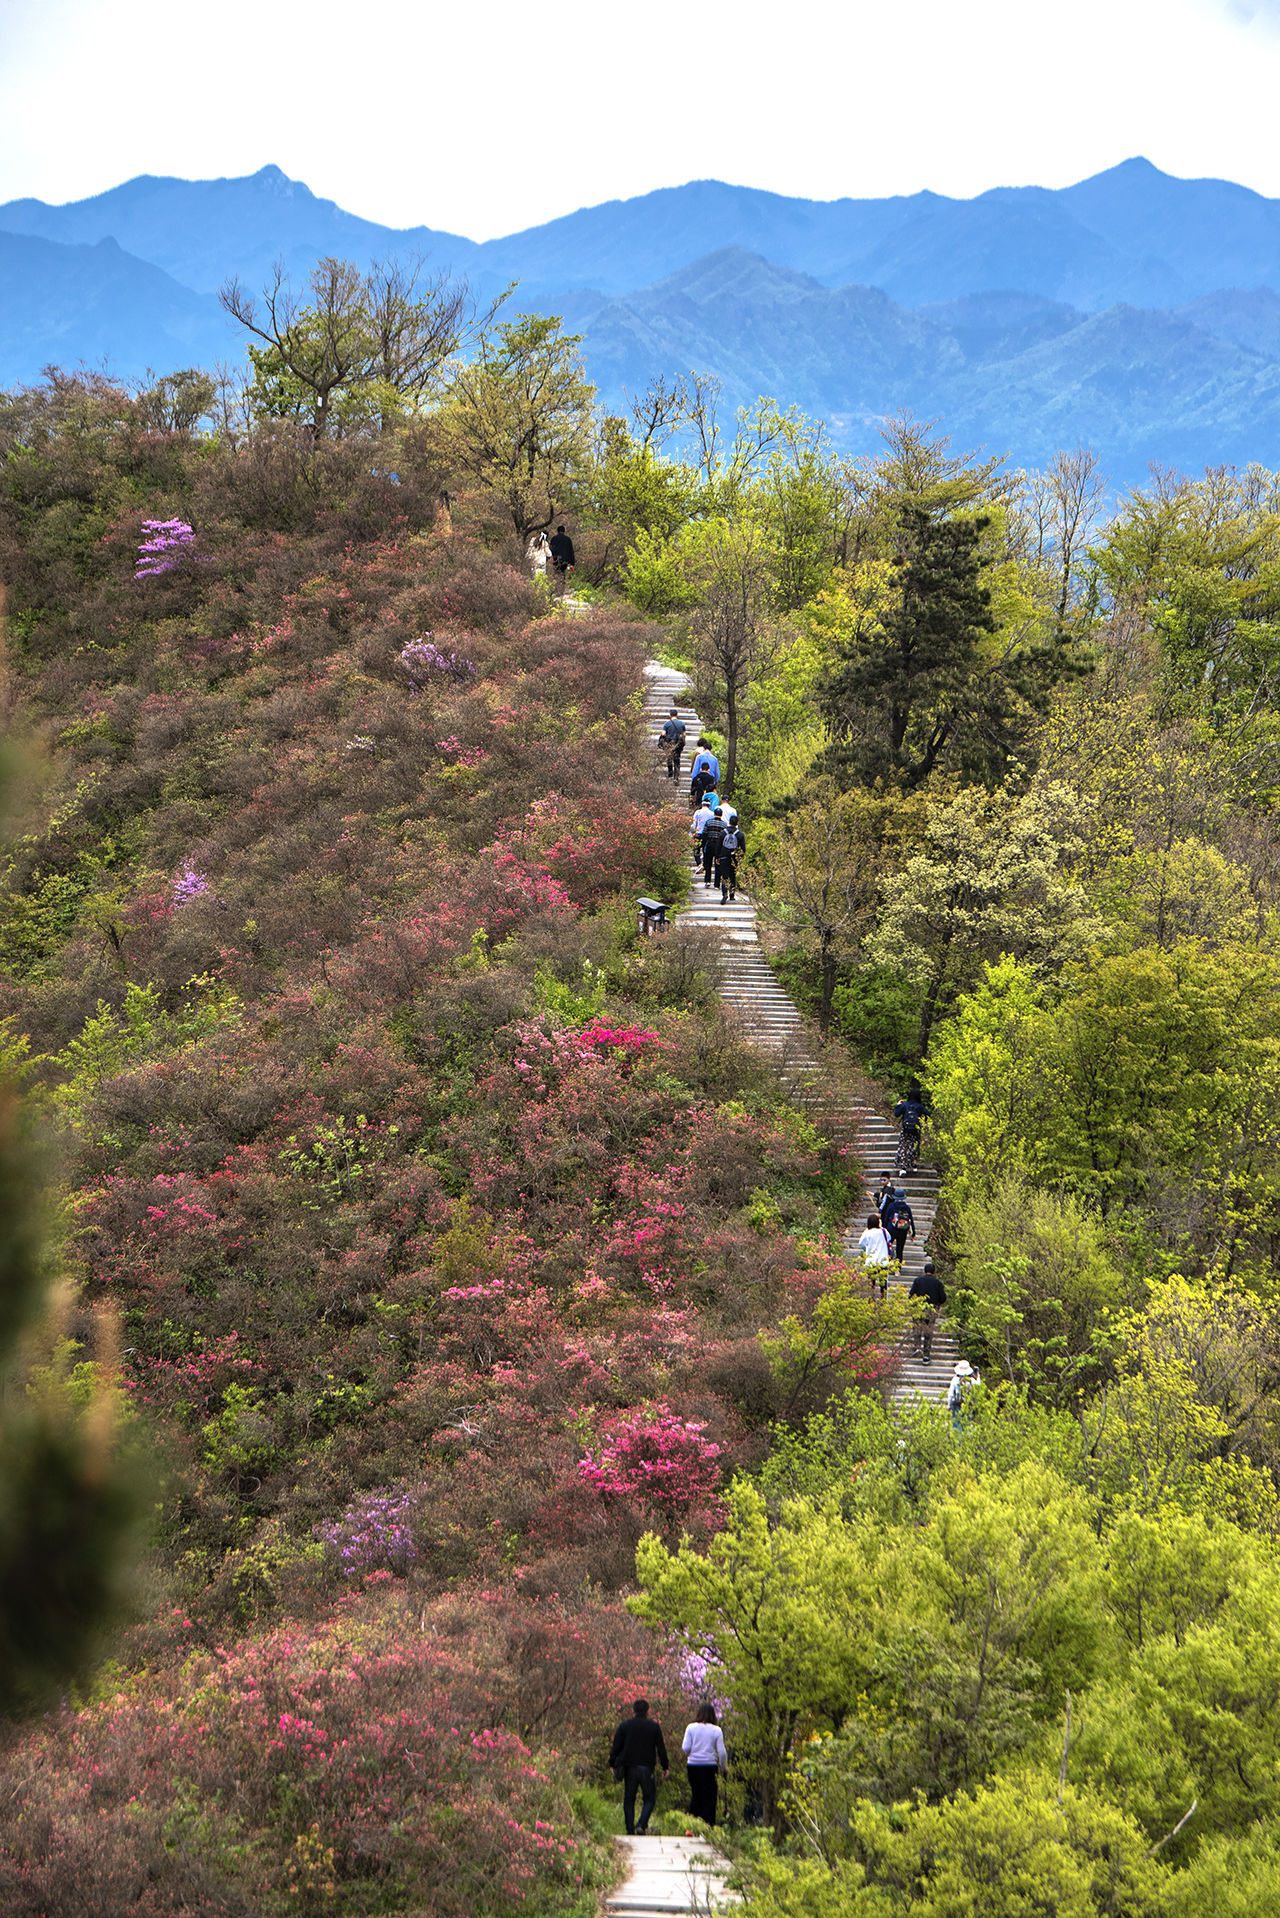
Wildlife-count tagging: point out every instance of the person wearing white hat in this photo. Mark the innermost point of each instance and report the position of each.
(963, 1380)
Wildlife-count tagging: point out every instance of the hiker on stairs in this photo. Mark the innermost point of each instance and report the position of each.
(672, 737)
(634, 1757)
(928, 1288)
(700, 819)
(898, 1220)
(706, 1760)
(705, 767)
(877, 1254)
(732, 847)
(712, 840)
(910, 1113)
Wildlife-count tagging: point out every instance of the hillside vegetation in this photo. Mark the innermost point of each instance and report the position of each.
(458, 1284)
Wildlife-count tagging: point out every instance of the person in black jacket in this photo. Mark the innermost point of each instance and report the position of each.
(712, 841)
(928, 1287)
(562, 556)
(634, 1756)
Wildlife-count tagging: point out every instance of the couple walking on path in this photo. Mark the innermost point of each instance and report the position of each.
(556, 552)
(638, 1750)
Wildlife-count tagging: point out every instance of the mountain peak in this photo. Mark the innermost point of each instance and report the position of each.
(272, 179)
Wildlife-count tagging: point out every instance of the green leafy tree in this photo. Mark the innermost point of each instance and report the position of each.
(1037, 1281)
(782, 1606)
(360, 349)
(517, 423)
(1200, 561)
(730, 628)
(992, 878)
(821, 868)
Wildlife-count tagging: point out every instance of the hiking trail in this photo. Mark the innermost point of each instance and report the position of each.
(753, 993)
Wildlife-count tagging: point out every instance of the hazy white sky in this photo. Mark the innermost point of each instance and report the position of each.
(484, 119)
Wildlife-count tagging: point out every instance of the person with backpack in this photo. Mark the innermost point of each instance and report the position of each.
(929, 1289)
(960, 1390)
(672, 737)
(638, 1749)
(898, 1220)
(876, 1254)
(732, 847)
(712, 840)
(910, 1113)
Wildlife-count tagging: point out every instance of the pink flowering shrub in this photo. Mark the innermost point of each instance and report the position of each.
(382, 1762)
(657, 1458)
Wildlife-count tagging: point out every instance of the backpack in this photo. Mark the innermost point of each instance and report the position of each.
(733, 840)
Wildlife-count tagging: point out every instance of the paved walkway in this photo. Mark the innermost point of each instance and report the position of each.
(668, 1875)
(751, 990)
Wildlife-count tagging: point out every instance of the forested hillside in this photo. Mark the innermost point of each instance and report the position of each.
(437, 1317)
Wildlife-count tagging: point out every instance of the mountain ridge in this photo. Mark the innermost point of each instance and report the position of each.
(1023, 315)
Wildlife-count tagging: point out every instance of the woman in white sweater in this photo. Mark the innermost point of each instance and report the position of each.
(706, 1758)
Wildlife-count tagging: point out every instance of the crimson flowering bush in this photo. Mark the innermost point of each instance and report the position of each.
(658, 1458)
(381, 1762)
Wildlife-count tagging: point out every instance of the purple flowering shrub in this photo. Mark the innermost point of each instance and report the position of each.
(374, 1534)
(424, 661)
(164, 547)
(189, 885)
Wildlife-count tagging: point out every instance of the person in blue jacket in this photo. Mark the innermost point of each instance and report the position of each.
(704, 763)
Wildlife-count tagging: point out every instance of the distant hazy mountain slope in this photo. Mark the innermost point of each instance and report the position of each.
(1251, 319)
(1208, 233)
(1009, 371)
(64, 304)
(763, 330)
(1131, 234)
(631, 243)
(202, 230)
(1140, 387)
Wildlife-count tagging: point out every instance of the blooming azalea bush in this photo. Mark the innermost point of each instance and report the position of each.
(657, 1457)
(165, 547)
(380, 1763)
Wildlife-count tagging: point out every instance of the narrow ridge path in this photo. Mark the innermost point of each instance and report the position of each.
(752, 992)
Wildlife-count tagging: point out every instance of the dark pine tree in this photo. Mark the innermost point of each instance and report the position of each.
(929, 684)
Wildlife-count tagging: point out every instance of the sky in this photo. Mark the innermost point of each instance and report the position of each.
(484, 121)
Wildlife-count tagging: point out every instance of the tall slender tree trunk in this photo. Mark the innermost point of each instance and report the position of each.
(828, 989)
(731, 727)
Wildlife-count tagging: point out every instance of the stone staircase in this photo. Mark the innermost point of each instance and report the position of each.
(752, 991)
(670, 1875)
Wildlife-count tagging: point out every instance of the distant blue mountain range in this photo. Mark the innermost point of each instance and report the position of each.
(1133, 311)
